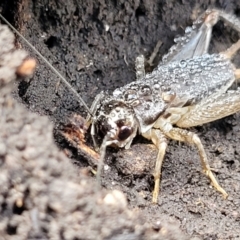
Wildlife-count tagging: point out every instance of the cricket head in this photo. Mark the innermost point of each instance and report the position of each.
(115, 119)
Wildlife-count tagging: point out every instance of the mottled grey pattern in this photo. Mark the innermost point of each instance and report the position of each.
(186, 82)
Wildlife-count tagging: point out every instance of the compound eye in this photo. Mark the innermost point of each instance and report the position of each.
(124, 133)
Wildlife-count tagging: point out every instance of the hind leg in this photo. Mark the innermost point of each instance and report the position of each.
(196, 40)
(230, 52)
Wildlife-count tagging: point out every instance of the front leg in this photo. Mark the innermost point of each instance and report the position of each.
(192, 138)
(159, 139)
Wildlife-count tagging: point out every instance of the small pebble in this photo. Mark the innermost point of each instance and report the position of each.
(115, 198)
(3, 149)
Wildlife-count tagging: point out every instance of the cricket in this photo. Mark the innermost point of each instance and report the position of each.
(188, 88)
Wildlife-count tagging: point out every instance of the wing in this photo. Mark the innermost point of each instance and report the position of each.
(213, 108)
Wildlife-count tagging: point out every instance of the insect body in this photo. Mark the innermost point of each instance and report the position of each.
(188, 88)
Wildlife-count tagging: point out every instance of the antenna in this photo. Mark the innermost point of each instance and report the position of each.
(48, 63)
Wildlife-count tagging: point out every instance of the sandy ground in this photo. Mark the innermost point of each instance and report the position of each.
(94, 45)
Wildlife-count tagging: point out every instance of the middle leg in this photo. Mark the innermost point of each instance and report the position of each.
(192, 138)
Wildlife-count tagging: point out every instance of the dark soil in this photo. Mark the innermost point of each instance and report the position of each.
(42, 194)
(94, 45)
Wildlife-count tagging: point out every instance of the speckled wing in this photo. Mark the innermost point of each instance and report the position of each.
(195, 79)
(213, 108)
(176, 85)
